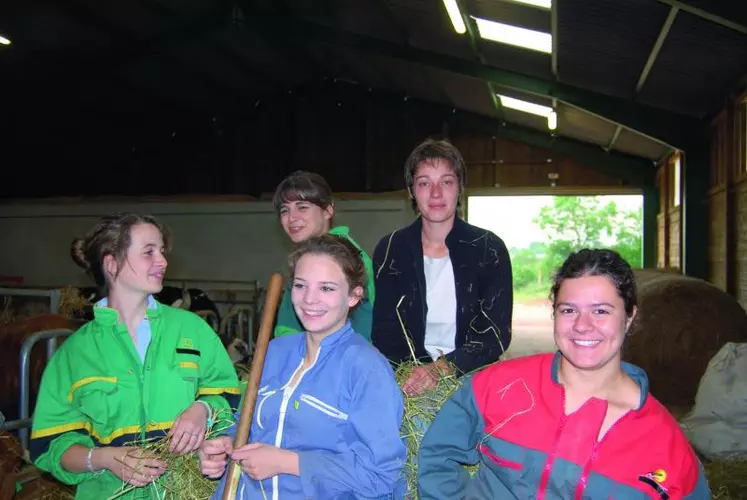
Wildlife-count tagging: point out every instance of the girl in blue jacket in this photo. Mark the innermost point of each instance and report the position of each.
(328, 412)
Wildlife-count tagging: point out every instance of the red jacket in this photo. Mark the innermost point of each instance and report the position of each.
(509, 418)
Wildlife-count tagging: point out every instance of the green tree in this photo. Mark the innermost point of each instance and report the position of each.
(628, 230)
(525, 264)
(575, 222)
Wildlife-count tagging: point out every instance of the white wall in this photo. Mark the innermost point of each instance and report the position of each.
(212, 241)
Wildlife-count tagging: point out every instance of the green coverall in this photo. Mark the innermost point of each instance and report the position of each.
(95, 391)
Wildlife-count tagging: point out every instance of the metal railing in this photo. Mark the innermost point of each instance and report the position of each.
(53, 294)
(24, 382)
(239, 312)
(248, 313)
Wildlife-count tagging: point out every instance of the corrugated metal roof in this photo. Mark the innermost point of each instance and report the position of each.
(699, 62)
(602, 47)
(603, 44)
(517, 59)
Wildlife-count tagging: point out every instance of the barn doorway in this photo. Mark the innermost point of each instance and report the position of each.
(540, 232)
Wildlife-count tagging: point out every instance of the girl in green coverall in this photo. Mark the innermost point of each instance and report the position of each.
(139, 370)
(303, 202)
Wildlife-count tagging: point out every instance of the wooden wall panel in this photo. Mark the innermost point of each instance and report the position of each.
(728, 141)
(662, 218)
(727, 203)
(661, 241)
(496, 162)
(721, 171)
(668, 219)
(740, 256)
(719, 149)
(675, 239)
(717, 248)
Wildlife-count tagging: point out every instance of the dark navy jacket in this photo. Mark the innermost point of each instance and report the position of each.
(484, 290)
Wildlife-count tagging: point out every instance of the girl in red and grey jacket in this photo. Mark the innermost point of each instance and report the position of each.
(577, 424)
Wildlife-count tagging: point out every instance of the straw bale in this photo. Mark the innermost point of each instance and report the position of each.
(681, 324)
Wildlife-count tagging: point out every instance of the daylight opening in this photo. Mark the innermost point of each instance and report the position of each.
(540, 232)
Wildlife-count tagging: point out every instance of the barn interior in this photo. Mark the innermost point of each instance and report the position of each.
(194, 111)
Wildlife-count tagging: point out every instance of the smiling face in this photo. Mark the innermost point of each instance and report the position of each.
(435, 190)
(590, 322)
(321, 295)
(144, 265)
(302, 220)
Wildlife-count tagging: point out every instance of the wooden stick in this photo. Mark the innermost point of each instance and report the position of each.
(272, 301)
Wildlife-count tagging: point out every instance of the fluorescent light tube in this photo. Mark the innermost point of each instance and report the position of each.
(513, 35)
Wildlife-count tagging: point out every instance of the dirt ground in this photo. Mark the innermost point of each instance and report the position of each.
(532, 329)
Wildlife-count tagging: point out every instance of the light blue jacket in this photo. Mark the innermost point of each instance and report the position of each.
(343, 419)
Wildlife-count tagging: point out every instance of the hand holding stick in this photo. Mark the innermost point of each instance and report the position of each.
(272, 301)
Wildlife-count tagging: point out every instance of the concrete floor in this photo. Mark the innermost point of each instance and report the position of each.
(532, 330)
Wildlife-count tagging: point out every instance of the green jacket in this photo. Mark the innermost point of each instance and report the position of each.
(360, 318)
(95, 391)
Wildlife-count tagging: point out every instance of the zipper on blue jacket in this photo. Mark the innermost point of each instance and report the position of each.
(283, 412)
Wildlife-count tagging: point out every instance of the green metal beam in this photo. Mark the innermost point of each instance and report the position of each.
(665, 126)
(650, 225)
(474, 43)
(663, 33)
(695, 214)
(631, 170)
(554, 34)
(731, 17)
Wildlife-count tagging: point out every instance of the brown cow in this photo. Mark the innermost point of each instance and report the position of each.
(34, 483)
(10, 463)
(12, 337)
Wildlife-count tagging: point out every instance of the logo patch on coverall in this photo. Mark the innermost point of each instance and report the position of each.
(655, 480)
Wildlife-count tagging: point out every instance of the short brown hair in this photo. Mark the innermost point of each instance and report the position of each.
(340, 249)
(598, 262)
(430, 150)
(303, 186)
(111, 236)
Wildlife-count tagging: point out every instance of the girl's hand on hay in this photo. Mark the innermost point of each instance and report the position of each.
(188, 432)
(424, 378)
(214, 456)
(133, 465)
(262, 461)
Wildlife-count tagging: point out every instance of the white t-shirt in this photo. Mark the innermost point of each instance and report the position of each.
(440, 322)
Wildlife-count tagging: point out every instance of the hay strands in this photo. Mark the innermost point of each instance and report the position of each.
(419, 412)
(727, 479)
(182, 479)
(71, 302)
(420, 409)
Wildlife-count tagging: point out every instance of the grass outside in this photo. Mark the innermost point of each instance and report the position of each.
(532, 293)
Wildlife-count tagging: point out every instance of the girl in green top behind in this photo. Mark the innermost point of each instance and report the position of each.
(303, 202)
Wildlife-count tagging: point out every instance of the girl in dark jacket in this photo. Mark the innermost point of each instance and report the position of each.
(444, 286)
